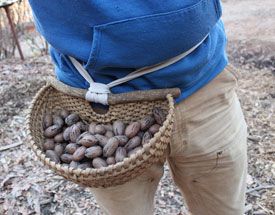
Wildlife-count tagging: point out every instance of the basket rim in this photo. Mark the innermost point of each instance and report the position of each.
(114, 168)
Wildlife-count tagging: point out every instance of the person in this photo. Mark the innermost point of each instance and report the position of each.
(207, 154)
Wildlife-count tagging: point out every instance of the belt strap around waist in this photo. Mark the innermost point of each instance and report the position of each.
(98, 92)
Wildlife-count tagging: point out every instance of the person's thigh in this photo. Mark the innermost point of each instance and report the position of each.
(135, 197)
(208, 150)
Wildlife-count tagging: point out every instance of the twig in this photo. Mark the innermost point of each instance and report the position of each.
(265, 209)
(248, 208)
(259, 188)
(10, 146)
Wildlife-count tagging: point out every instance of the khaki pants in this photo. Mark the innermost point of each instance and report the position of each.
(207, 157)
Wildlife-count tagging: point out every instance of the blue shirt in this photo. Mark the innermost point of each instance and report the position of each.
(114, 38)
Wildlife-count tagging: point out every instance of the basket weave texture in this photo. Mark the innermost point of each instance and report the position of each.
(48, 98)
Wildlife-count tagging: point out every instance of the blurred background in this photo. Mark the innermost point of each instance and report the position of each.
(32, 44)
(26, 187)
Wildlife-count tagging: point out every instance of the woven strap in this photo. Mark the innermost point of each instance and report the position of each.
(98, 92)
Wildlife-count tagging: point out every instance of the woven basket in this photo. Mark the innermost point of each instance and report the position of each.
(49, 98)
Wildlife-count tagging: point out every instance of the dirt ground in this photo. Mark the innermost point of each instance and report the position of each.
(26, 187)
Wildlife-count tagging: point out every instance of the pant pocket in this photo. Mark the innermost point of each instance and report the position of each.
(233, 71)
(178, 139)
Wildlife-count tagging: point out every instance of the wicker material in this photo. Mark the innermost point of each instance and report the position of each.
(48, 98)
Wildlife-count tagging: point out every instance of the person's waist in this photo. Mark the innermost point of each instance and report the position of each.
(181, 72)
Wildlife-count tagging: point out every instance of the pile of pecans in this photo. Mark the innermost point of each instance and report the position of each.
(72, 141)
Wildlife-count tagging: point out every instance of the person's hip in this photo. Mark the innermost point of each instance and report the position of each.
(211, 114)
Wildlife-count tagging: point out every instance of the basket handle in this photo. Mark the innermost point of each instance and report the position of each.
(120, 98)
